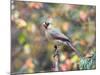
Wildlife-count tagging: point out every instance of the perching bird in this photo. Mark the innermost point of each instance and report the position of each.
(55, 35)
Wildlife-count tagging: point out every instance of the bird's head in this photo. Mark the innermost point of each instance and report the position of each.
(47, 23)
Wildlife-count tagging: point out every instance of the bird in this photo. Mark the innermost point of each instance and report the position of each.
(55, 35)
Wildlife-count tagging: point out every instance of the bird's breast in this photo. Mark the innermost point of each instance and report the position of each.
(51, 39)
(48, 36)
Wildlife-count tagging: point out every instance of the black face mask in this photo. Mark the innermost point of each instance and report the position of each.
(47, 23)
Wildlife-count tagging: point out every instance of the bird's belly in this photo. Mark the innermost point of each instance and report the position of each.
(58, 42)
(51, 39)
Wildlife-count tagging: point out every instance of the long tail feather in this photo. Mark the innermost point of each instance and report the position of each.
(74, 49)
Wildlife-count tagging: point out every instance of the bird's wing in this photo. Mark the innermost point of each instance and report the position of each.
(56, 34)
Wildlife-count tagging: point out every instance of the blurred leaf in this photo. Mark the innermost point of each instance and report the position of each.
(21, 23)
(21, 38)
(75, 58)
(27, 48)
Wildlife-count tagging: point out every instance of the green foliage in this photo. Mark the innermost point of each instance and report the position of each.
(88, 63)
(21, 38)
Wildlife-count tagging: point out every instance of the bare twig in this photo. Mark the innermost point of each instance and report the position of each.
(56, 59)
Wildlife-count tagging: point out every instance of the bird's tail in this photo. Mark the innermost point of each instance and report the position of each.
(74, 49)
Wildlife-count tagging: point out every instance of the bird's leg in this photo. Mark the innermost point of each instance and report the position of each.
(56, 58)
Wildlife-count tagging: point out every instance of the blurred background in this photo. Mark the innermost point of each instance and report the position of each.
(30, 50)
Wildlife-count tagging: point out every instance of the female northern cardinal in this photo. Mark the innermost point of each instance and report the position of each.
(56, 35)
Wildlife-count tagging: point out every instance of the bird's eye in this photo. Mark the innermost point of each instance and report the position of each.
(47, 23)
